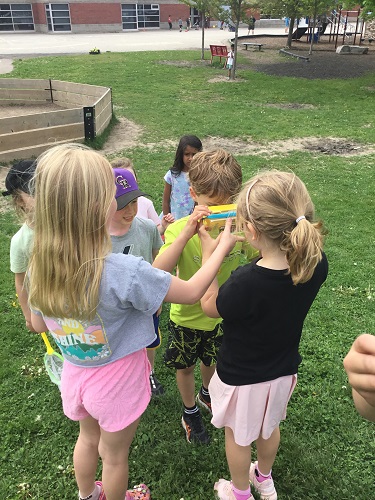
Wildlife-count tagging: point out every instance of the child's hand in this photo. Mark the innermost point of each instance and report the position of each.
(359, 364)
(227, 240)
(208, 244)
(192, 223)
(166, 220)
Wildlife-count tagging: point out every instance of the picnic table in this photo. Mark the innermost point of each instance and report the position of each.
(253, 44)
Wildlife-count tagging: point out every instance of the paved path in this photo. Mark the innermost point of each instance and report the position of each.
(14, 45)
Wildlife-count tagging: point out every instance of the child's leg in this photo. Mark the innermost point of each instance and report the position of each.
(86, 455)
(239, 459)
(206, 373)
(114, 451)
(151, 357)
(267, 450)
(186, 385)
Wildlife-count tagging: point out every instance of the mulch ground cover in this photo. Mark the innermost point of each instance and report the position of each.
(323, 63)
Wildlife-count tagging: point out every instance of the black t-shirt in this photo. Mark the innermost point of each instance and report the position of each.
(263, 315)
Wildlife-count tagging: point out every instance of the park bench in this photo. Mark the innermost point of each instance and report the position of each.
(218, 51)
(253, 44)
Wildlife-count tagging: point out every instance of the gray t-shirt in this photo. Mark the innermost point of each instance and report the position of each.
(131, 291)
(142, 238)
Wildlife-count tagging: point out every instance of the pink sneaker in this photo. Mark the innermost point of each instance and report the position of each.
(139, 492)
(266, 489)
(102, 494)
(224, 490)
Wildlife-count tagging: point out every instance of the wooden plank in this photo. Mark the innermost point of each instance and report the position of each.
(103, 126)
(20, 83)
(78, 88)
(102, 120)
(61, 98)
(22, 102)
(33, 151)
(34, 137)
(35, 95)
(40, 120)
(103, 102)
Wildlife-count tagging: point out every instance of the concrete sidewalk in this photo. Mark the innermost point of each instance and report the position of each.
(36, 44)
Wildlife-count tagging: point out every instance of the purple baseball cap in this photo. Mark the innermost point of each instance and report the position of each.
(126, 187)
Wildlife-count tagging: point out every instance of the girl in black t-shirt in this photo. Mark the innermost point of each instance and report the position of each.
(263, 306)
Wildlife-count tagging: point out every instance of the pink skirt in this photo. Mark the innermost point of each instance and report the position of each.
(250, 411)
(115, 394)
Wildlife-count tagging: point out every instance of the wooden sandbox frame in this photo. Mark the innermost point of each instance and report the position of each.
(87, 111)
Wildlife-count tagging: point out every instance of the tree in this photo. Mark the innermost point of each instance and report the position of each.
(236, 13)
(204, 8)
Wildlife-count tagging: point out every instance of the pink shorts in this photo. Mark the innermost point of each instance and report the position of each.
(250, 410)
(115, 394)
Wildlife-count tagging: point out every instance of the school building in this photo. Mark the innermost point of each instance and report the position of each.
(88, 16)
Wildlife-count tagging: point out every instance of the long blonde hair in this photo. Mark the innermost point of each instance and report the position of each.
(279, 207)
(74, 188)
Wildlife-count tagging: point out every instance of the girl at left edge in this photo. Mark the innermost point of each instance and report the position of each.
(17, 184)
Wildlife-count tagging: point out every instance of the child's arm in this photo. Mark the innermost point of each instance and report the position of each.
(167, 198)
(208, 301)
(189, 292)
(167, 260)
(38, 323)
(21, 291)
(359, 364)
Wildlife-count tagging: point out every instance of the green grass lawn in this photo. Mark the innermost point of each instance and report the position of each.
(327, 451)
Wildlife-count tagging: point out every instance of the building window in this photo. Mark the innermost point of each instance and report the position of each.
(135, 16)
(58, 17)
(16, 17)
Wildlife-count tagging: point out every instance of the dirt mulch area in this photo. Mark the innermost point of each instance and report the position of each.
(324, 63)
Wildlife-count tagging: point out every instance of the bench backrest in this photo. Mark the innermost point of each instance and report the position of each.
(219, 50)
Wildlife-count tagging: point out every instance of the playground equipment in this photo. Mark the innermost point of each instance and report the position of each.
(343, 23)
(88, 111)
(346, 23)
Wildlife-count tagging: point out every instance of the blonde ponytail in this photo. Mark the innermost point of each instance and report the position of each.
(303, 249)
(279, 206)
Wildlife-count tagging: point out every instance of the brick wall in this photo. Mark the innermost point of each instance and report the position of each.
(175, 11)
(39, 13)
(95, 13)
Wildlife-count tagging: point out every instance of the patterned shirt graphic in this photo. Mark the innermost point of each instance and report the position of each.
(80, 340)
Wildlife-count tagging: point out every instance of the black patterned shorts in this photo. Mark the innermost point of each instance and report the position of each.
(187, 345)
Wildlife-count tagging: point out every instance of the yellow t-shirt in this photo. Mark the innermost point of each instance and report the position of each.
(192, 316)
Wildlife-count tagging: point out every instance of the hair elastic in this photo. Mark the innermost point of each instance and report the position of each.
(247, 197)
(300, 218)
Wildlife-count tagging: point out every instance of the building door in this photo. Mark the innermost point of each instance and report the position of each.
(140, 16)
(58, 17)
(148, 15)
(129, 16)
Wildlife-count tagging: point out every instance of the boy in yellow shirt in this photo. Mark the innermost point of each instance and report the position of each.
(215, 179)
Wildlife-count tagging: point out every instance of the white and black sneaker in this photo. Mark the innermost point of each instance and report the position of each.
(156, 387)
